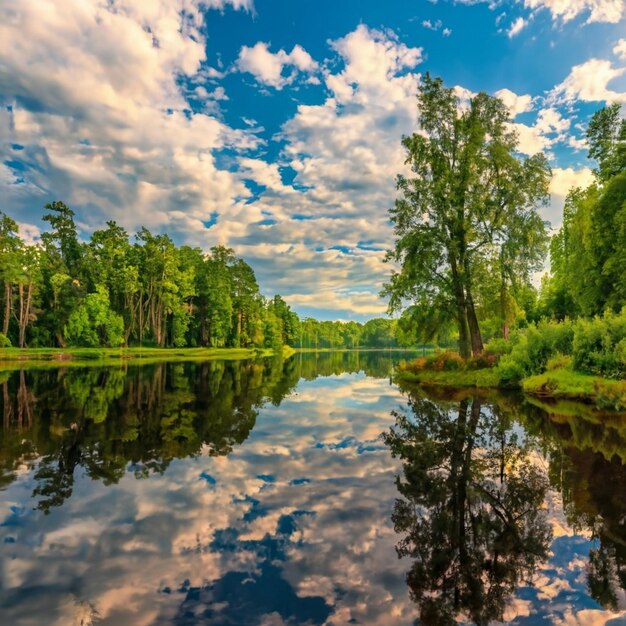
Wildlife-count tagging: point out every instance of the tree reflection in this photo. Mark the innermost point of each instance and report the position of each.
(471, 510)
(594, 498)
(107, 420)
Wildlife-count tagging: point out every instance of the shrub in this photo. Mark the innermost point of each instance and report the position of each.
(482, 361)
(510, 371)
(600, 345)
(5, 342)
(445, 361)
(559, 362)
(499, 346)
(611, 397)
(413, 366)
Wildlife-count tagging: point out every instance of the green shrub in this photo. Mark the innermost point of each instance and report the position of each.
(559, 362)
(482, 361)
(5, 342)
(445, 361)
(611, 397)
(600, 345)
(499, 346)
(510, 371)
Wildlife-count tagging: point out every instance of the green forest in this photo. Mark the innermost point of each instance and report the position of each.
(112, 291)
(469, 240)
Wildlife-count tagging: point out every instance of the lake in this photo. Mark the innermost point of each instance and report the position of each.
(307, 491)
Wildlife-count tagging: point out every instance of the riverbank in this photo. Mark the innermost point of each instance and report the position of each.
(16, 358)
(558, 384)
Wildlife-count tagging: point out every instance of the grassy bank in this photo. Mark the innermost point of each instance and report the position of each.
(481, 378)
(15, 358)
(554, 385)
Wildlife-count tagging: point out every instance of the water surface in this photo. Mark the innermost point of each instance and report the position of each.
(310, 491)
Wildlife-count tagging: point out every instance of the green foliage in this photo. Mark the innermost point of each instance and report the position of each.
(467, 213)
(559, 362)
(94, 324)
(5, 342)
(600, 345)
(588, 253)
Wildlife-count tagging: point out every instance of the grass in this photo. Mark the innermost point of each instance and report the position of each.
(484, 378)
(16, 358)
(557, 384)
(563, 383)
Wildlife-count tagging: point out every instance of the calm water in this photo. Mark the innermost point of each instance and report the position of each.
(306, 492)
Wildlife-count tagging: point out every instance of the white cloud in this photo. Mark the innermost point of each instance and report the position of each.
(516, 104)
(610, 11)
(620, 49)
(577, 143)
(530, 139)
(345, 153)
(564, 179)
(516, 27)
(96, 105)
(589, 82)
(550, 121)
(268, 68)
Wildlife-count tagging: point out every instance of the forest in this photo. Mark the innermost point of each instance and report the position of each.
(110, 291)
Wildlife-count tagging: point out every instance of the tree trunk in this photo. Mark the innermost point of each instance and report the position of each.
(461, 310)
(7, 309)
(503, 308)
(475, 336)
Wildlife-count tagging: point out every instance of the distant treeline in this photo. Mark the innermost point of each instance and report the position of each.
(111, 291)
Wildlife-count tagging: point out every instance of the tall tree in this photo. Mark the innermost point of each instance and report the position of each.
(606, 134)
(468, 186)
(10, 246)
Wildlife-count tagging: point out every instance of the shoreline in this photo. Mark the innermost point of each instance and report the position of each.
(556, 385)
(16, 358)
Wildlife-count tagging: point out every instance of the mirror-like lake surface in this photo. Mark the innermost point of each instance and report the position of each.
(310, 491)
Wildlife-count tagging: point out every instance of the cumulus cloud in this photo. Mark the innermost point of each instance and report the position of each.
(515, 103)
(320, 239)
(589, 81)
(94, 103)
(610, 11)
(530, 139)
(269, 68)
(562, 182)
(565, 179)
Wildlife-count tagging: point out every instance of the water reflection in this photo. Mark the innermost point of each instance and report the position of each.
(261, 493)
(470, 515)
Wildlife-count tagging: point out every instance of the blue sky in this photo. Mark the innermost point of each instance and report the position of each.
(274, 127)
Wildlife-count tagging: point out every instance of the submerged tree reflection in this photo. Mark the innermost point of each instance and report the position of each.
(471, 512)
(107, 420)
(592, 480)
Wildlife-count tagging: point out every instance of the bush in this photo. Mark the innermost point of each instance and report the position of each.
(482, 361)
(5, 342)
(559, 362)
(510, 371)
(499, 346)
(445, 361)
(613, 397)
(600, 345)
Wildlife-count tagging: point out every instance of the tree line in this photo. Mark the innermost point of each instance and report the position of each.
(469, 236)
(112, 291)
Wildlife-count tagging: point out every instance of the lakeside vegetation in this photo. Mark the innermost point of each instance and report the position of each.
(469, 238)
(110, 292)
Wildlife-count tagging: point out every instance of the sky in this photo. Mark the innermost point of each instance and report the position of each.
(274, 126)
